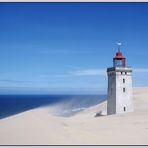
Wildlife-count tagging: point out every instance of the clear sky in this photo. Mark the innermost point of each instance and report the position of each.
(66, 47)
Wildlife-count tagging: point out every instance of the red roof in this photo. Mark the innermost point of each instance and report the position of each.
(119, 55)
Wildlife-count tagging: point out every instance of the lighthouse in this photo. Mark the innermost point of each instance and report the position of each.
(120, 93)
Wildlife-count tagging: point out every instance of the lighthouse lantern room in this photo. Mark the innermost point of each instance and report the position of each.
(119, 60)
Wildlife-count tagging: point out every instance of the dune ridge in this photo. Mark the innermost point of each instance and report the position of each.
(40, 127)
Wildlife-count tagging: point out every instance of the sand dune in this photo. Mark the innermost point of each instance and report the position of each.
(40, 127)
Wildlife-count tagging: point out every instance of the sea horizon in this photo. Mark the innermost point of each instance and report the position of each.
(71, 104)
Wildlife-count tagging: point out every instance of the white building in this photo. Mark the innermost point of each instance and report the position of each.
(120, 95)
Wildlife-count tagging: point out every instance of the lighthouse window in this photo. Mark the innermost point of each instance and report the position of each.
(124, 89)
(123, 80)
(125, 72)
(121, 72)
(124, 108)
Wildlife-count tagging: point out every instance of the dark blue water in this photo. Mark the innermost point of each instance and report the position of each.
(14, 104)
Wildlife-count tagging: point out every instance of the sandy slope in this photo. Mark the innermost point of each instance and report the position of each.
(39, 127)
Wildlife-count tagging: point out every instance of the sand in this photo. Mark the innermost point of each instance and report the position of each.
(40, 127)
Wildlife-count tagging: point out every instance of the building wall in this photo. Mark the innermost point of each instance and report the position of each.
(119, 101)
(111, 98)
(124, 101)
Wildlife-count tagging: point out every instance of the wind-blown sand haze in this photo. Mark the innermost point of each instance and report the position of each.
(40, 127)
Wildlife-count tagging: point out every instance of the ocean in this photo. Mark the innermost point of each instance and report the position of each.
(14, 104)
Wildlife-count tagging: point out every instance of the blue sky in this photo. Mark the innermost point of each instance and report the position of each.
(66, 47)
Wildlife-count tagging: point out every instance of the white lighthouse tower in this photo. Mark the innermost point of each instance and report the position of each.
(120, 95)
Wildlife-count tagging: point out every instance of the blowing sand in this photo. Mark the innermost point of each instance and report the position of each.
(39, 127)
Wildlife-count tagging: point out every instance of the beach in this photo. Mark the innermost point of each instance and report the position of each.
(40, 127)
